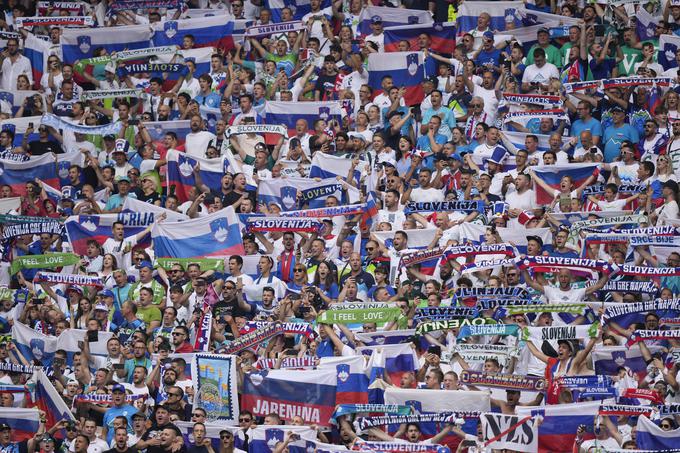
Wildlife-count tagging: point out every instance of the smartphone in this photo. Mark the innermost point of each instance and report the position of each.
(92, 336)
(118, 366)
(30, 125)
(38, 301)
(81, 345)
(165, 361)
(133, 122)
(501, 60)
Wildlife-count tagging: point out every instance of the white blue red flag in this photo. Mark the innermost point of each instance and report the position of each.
(406, 69)
(80, 43)
(287, 113)
(309, 394)
(392, 17)
(212, 31)
(216, 234)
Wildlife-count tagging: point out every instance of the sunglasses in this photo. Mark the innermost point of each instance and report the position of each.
(175, 394)
(370, 249)
(298, 270)
(246, 420)
(177, 334)
(197, 415)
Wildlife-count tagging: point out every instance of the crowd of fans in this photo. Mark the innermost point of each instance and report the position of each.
(455, 145)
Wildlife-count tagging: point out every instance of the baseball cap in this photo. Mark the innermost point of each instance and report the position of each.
(109, 137)
(144, 264)
(543, 30)
(106, 293)
(123, 179)
(101, 307)
(121, 146)
(357, 135)
(110, 67)
(4, 426)
(618, 108)
(376, 19)
(535, 238)
(670, 184)
(432, 79)
(488, 35)
(118, 388)
(138, 415)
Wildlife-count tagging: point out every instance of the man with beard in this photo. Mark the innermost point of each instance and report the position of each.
(14, 64)
(197, 140)
(121, 442)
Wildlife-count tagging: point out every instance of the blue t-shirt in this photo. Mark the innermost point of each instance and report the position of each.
(126, 411)
(602, 70)
(591, 125)
(491, 57)
(613, 137)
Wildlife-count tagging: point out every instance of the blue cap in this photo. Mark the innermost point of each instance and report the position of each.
(145, 264)
(123, 179)
(106, 293)
(118, 388)
(456, 156)
(376, 19)
(488, 35)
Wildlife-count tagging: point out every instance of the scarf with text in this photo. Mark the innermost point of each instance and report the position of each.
(257, 129)
(623, 188)
(124, 5)
(644, 271)
(154, 68)
(488, 264)
(616, 310)
(333, 211)
(288, 362)
(48, 119)
(549, 263)
(20, 229)
(68, 279)
(266, 224)
(55, 21)
(444, 313)
(447, 324)
(250, 340)
(441, 417)
(458, 251)
(488, 292)
(349, 409)
(503, 381)
(625, 409)
(300, 328)
(541, 334)
(205, 264)
(257, 31)
(105, 399)
(113, 94)
(574, 309)
(394, 447)
(645, 394)
(46, 261)
(380, 315)
(637, 81)
(488, 329)
(444, 206)
(420, 256)
(538, 99)
(643, 335)
(580, 382)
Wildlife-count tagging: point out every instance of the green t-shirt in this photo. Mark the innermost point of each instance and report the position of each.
(631, 56)
(552, 53)
(287, 61)
(148, 314)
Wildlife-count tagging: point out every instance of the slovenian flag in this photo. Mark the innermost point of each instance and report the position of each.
(468, 12)
(82, 228)
(560, 422)
(608, 359)
(392, 17)
(263, 439)
(285, 191)
(24, 422)
(79, 43)
(330, 166)
(352, 382)
(287, 113)
(300, 8)
(668, 45)
(217, 234)
(37, 51)
(553, 174)
(214, 31)
(17, 174)
(650, 436)
(406, 69)
(443, 36)
(35, 347)
(399, 358)
(180, 173)
(48, 400)
(309, 394)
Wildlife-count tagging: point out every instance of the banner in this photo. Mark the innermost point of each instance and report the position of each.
(616, 310)
(58, 123)
(68, 279)
(407, 69)
(42, 226)
(46, 261)
(504, 381)
(444, 206)
(283, 224)
(215, 382)
(250, 340)
(650, 436)
(510, 432)
(258, 31)
(358, 316)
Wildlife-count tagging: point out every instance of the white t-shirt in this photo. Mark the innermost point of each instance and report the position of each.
(556, 296)
(420, 195)
(197, 142)
(541, 75)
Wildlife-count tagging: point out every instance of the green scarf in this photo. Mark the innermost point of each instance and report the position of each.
(377, 315)
(47, 261)
(205, 263)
